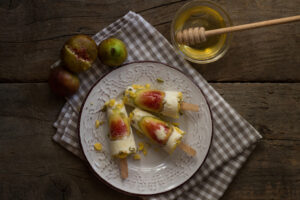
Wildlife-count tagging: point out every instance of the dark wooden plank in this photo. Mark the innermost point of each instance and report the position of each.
(34, 167)
(272, 172)
(263, 55)
(273, 109)
(32, 33)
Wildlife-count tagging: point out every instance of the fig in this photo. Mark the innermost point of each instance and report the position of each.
(79, 53)
(112, 52)
(156, 129)
(118, 126)
(62, 82)
(150, 100)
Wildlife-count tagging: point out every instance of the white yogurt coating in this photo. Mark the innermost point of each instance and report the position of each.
(173, 140)
(160, 133)
(126, 144)
(171, 102)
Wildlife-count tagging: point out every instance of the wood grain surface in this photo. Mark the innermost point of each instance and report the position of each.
(259, 77)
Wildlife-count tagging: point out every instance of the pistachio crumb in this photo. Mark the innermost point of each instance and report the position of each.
(136, 156)
(141, 146)
(97, 123)
(145, 152)
(112, 102)
(175, 123)
(98, 146)
(159, 80)
(103, 109)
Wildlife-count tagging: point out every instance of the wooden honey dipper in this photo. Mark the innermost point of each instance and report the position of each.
(196, 35)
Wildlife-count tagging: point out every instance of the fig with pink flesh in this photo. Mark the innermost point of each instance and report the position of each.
(79, 53)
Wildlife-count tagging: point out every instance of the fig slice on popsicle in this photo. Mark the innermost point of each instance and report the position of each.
(119, 127)
(156, 129)
(168, 103)
(159, 131)
(120, 134)
(151, 100)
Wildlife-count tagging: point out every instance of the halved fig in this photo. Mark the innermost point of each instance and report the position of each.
(150, 100)
(79, 53)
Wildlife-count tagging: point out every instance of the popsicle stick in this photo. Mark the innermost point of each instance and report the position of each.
(189, 107)
(187, 149)
(123, 168)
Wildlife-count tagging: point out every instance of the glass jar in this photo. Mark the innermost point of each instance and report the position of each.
(205, 14)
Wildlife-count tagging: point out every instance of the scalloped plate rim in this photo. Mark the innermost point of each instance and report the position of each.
(84, 154)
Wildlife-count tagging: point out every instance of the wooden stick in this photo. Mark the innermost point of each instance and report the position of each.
(252, 25)
(189, 107)
(196, 35)
(187, 149)
(123, 168)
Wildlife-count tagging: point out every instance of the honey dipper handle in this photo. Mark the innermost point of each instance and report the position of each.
(199, 34)
(252, 25)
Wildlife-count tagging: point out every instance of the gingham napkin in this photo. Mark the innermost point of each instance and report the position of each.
(234, 138)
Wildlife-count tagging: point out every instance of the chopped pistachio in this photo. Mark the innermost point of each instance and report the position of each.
(159, 80)
(120, 105)
(136, 87)
(125, 99)
(145, 152)
(112, 102)
(130, 116)
(97, 123)
(131, 149)
(122, 155)
(103, 109)
(136, 156)
(141, 146)
(132, 94)
(175, 123)
(98, 146)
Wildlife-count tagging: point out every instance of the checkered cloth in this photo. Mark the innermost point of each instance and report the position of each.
(234, 138)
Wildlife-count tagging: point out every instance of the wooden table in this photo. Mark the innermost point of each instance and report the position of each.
(259, 77)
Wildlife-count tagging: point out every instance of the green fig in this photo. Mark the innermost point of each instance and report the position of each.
(79, 53)
(62, 82)
(112, 52)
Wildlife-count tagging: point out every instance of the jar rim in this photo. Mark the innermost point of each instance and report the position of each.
(218, 9)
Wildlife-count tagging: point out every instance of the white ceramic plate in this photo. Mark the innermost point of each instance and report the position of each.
(157, 172)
